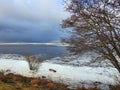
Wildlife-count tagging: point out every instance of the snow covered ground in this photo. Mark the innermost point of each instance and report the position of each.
(69, 74)
(86, 59)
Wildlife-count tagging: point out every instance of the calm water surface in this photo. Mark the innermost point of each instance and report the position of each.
(46, 51)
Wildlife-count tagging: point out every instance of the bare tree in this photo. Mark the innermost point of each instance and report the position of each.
(33, 62)
(95, 26)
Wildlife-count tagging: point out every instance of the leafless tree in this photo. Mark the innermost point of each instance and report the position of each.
(95, 25)
(33, 62)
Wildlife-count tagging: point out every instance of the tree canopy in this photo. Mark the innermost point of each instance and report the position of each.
(95, 26)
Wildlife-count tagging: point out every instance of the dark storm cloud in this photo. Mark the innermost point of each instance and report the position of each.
(30, 20)
(30, 32)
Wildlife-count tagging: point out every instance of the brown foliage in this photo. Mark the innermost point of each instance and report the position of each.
(116, 87)
(1, 75)
(20, 82)
(94, 88)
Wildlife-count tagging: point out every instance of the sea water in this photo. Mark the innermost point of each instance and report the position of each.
(45, 51)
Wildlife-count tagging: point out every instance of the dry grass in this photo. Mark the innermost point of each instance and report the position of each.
(116, 87)
(18, 82)
(15, 82)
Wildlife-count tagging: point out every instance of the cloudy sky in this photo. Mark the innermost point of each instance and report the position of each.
(31, 20)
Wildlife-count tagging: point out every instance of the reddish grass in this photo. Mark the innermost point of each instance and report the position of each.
(34, 83)
(116, 87)
(40, 84)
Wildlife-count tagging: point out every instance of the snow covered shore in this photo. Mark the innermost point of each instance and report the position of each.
(71, 75)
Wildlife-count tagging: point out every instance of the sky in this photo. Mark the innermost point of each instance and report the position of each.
(31, 20)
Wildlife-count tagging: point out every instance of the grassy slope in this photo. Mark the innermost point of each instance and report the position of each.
(17, 82)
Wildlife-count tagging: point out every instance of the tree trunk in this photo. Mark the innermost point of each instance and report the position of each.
(115, 62)
(116, 65)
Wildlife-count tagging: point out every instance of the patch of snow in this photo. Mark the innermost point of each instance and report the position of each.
(12, 56)
(86, 59)
(71, 75)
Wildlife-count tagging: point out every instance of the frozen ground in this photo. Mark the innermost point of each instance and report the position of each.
(73, 74)
(87, 59)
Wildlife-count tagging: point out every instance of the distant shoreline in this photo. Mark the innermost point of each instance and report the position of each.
(52, 44)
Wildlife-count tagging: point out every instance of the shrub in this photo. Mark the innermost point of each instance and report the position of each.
(33, 62)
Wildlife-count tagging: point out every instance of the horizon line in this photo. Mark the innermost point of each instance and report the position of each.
(35, 43)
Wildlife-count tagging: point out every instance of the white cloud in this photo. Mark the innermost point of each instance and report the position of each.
(34, 10)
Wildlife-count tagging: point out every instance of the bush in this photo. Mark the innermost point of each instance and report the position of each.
(34, 62)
